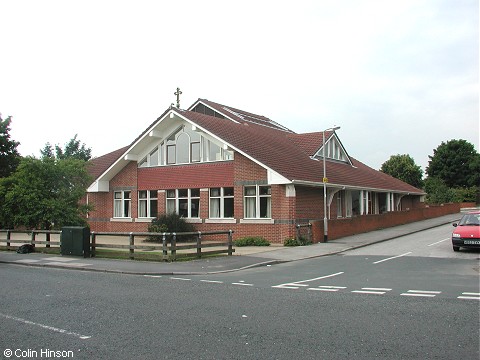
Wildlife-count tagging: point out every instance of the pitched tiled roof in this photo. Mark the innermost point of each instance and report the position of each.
(277, 148)
(310, 142)
(290, 154)
(242, 116)
(99, 165)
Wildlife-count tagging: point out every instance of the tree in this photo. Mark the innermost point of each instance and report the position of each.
(456, 162)
(72, 150)
(438, 192)
(9, 156)
(403, 167)
(44, 193)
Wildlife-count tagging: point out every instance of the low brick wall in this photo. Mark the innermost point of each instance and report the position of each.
(339, 228)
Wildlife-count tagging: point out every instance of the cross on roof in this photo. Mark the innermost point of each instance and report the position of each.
(178, 93)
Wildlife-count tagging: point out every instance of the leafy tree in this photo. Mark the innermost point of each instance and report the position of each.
(44, 193)
(72, 150)
(456, 162)
(403, 167)
(9, 156)
(438, 192)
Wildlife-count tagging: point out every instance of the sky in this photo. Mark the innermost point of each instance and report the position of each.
(398, 77)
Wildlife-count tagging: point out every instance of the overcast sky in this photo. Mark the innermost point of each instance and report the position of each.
(399, 77)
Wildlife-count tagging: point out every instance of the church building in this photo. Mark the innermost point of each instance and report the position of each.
(222, 168)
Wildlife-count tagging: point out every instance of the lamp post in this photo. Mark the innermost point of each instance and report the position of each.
(325, 180)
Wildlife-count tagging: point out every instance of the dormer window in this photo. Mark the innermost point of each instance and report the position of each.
(333, 150)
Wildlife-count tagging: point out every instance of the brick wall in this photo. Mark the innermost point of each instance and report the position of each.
(339, 228)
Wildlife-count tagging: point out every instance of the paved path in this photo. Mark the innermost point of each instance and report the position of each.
(244, 257)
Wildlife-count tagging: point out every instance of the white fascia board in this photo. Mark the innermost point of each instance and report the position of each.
(99, 186)
(121, 162)
(131, 157)
(273, 176)
(350, 187)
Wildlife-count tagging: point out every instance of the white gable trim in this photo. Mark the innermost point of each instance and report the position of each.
(333, 137)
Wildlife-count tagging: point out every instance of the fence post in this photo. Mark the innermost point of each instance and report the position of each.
(164, 247)
(8, 239)
(230, 243)
(199, 244)
(32, 241)
(47, 239)
(297, 232)
(132, 241)
(174, 246)
(310, 232)
(94, 237)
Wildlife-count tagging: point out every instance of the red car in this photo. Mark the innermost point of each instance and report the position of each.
(467, 231)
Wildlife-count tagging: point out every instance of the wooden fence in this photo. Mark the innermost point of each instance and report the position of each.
(33, 237)
(170, 247)
(169, 243)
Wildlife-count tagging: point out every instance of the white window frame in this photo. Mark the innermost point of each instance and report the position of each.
(148, 200)
(176, 201)
(257, 197)
(122, 206)
(221, 203)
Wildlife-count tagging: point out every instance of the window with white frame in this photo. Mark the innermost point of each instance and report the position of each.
(184, 202)
(221, 203)
(122, 204)
(340, 197)
(147, 204)
(257, 202)
(185, 146)
(333, 150)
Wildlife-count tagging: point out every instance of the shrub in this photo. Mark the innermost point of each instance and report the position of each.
(169, 223)
(302, 241)
(252, 241)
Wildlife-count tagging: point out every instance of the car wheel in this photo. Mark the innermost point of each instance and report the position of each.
(456, 248)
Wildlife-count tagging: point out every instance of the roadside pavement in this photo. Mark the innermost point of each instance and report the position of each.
(244, 258)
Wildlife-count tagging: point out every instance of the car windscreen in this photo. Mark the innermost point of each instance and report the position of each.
(470, 219)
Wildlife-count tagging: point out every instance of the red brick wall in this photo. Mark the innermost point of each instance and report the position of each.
(339, 228)
(186, 176)
(307, 205)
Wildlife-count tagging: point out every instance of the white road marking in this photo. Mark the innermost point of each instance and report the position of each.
(179, 278)
(244, 284)
(390, 258)
(377, 289)
(153, 276)
(52, 328)
(421, 293)
(323, 289)
(212, 281)
(332, 287)
(374, 291)
(438, 242)
(469, 296)
(296, 284)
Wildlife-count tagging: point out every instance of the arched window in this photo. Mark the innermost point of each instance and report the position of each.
(183, 148)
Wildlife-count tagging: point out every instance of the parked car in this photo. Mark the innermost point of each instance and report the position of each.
(467, 231)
